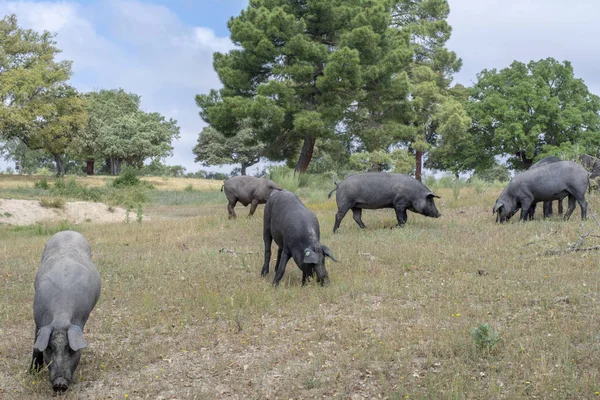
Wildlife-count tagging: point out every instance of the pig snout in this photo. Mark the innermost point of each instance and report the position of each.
(60, 385)
(325, 281)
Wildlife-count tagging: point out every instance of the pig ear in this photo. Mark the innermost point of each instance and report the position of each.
(327, 252)
(310, 257)
(497, 207)
(76, 340)
(434, 195)
(43, 337)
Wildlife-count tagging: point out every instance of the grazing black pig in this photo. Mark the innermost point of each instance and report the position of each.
(547, 204)
(67, 287)
(247, 190)
(546, 183)
(295, 229)
(374, 190)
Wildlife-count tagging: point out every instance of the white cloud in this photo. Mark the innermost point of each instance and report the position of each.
(493, 33)
(143, 48)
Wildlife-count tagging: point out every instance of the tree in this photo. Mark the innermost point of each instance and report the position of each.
(396, 161)
(118, 131)
(106, 110)
(27, 161)
(214, 148)
(300, 66)
(433, 110)
(65, 118)
(527, 110)
(28, 75)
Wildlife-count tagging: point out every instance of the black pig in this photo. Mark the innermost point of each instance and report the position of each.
(67, 287)
(374, 190)
(295, 229)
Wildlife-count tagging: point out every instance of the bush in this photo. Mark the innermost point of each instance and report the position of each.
(42, 184)
(127, 178)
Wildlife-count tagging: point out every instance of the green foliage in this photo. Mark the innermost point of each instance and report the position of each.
(71, 189)
(214, 148)
(399, 161)
(285, 178)
(44, 229)
(157, 168)
(497, 172)
(294, 75)
(29, 76)
(42, 184)
(119, 130)
(485, 337)
(529, 110)
(128, 178)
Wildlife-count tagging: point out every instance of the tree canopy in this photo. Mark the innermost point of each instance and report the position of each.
(29, 78)
(527, 111)
(300, 67)
(214, 148)
(119, 131)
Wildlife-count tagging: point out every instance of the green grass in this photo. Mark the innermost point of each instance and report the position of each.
(178, 317)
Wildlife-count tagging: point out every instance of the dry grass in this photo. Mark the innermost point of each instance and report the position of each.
(53, 202)
(18, 181)
(179, 318)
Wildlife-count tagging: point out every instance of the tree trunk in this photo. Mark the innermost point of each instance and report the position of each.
(306, 154)
(90, 167)
(60, 168)
(419, 165)
(115, 165)
(244, 166)
(527, 162)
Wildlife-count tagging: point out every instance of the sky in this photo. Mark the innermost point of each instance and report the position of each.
(162, 49)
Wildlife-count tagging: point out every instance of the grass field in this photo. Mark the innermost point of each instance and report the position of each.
(179, 318)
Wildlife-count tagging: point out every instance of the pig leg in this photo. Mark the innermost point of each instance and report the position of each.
(37, 359)
(285, 256)
(357, 214)
(338, 217)
(279, 250)
(306, 275)
(525, 205)
(253, 207)
(583, 206)
(571, 207)
(230, 208)
(548, 209)
(401, 216)
(560, 206)
(268, 241)
(531, 212)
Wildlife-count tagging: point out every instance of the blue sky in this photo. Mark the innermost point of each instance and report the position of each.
(162, 49)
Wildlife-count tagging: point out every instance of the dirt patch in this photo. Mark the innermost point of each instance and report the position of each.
(29, 212)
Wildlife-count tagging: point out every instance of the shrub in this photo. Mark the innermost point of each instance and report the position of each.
(485, 337)
(42, 184)
(127, 178)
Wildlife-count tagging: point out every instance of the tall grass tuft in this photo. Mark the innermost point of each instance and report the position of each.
(52, 202)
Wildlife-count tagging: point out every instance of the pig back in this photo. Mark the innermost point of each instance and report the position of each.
(378, 189)
(67, 282)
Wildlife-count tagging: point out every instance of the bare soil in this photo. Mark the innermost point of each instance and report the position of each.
(30, 212)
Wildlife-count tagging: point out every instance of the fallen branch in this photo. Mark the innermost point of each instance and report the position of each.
(556, 252)
(235, 253)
